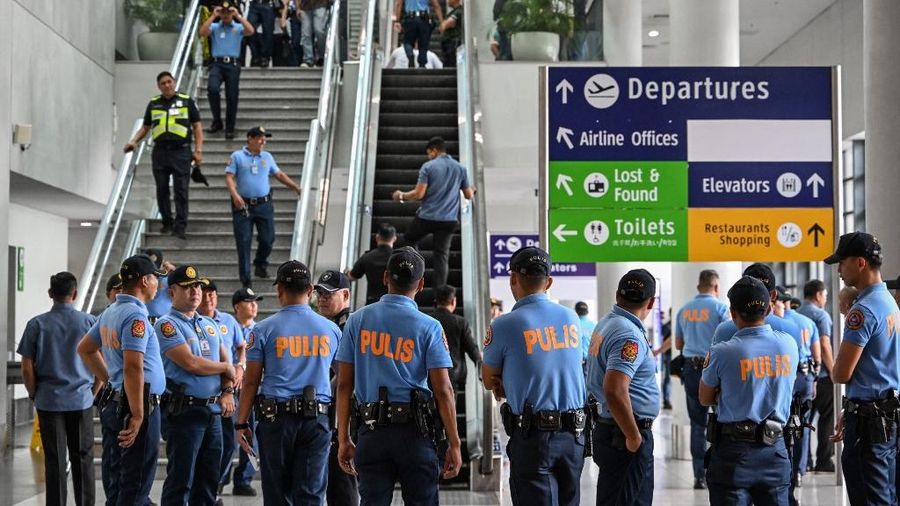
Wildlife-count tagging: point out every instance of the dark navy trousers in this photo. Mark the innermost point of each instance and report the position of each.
(262, 216)
(625, 478)
(194, 451)
(396, 453)
(244, 471)
(803, 387)
(742, 473)
(128, 473)
(293, 455)
(869, 468)
(545, 467)
(697, 413)
(230, 74)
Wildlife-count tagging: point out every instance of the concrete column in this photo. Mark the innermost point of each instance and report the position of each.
(704, 33)
(880, 43)
(622, 34)
(6, 71)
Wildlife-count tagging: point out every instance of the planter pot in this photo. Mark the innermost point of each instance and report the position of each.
(535, 46)
(157, 46)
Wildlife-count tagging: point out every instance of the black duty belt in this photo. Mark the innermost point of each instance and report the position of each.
(642, 423)
(255, 201)
(697, 362)
(396, 413)
(201, 401)
(748, 431)
(555, 421)
(417, 14)
(294, 406)
(230, 60)
(171, 145)
(871, 409)
(153, 399)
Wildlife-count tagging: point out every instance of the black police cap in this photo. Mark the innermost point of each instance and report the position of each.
(763, 273)
(186, 275)
(856, 244)
(749, 297)
(637, 285)
(406, 265)
(154, 254)
(294, 274)
(244, 295)
(783, 294)
(332, 281)
(113, 282)
(138, 266)
(258, 131)
(530, 261)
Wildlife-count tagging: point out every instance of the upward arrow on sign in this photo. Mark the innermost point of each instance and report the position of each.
(562, 182)
(815, 231)
(499, 267)
(500, 243)
(565, 87)
(815, 181)
(562, 134)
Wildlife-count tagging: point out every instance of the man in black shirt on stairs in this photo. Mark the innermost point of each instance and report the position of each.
(374, 262)
(459, 335)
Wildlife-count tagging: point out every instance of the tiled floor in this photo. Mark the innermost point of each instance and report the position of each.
(21, 478)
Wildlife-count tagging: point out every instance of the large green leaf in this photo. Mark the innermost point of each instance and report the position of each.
(537, 16)
(158, 15)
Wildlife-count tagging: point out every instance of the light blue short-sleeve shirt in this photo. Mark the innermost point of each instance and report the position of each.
(696, 322)
(873, 323)
(226, 39)
(392, 344)
(252, 172)
(202, 337)
(445, 178)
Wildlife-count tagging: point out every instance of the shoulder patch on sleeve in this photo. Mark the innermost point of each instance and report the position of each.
(138, 329)
(855, 319)
(251, 338)
(488, 337)
(444, 337)
(706, 360)
(630, 350)
(167, 329)
(223, 329)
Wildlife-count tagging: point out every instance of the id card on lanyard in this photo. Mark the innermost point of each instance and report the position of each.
(254, 166)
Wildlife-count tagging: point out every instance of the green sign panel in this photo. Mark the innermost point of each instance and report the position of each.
(20, 269)
(618, 185)
(615, 235)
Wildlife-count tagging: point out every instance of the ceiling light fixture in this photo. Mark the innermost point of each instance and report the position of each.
(653, 33)
(85, 224)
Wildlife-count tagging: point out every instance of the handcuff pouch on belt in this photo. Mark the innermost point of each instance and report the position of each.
(423, 414)
(592, 411)
(713, 428)
(104, 396)
(174, 400)
(767, 432)
(266, 409)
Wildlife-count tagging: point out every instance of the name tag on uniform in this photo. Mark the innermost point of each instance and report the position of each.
(204, 347)
(178, 103)
(173, 112)
(222, 35)
(254, 168)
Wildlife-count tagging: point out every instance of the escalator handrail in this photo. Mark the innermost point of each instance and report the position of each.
(316, 167)
(90, 281)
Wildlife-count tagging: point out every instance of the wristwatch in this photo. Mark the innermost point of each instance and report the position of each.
(228, 390)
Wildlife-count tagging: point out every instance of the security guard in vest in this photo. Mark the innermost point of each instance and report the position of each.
(294, 348)
(695, 324)
(122, 350)
(622, 377)
(532, 357)
(804, 388)
(751, 379)
(867, 363)
(389, 354)
(199, 390)
(170, 118)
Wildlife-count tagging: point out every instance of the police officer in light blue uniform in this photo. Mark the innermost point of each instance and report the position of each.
(389, 354)
(622, 376)
(199, 390)
(294, 348)
(247, 178)
(695, 324)
(750, 378)
(867, 363)
(587, 327)
(119, 345)
(245, 303)
(810, 355)
(533, 357)
(60, 386)
(764, 273)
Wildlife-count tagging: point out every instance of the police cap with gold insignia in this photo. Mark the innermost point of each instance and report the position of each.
(138, 266)
(749, 297)
(186, 275)
(856, 244)
(244, 295)
(637, 285)
(258, 131)
(530, 261)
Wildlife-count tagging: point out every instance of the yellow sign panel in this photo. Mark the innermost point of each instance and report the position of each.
(760, 235)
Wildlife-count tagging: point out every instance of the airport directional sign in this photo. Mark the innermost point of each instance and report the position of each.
(689, 164)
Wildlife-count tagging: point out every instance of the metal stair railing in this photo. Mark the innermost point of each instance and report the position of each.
(92, 276)
(473, 230)
(317, 159)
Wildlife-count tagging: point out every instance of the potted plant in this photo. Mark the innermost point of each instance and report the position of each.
(163, 19)
(536, 26)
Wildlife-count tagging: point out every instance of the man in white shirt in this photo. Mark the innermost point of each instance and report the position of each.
(398, 60)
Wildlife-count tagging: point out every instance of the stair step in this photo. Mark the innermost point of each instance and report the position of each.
(268, 105)
(403, 147)
(406, 120)
(418, 133)
(424, 93)
(423, 79)
(423, 107)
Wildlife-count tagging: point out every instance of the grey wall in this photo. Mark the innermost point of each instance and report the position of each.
(835, 37)
(5, 150)
(67, 98)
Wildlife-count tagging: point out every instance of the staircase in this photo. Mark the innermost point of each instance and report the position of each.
(284, 101)
(416, 105)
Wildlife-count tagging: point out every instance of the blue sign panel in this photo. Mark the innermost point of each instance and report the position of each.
(785, 184)
(504, 245)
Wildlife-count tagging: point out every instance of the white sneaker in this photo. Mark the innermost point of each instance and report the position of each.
(305, 65)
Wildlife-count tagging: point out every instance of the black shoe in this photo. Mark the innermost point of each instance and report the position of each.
(215, 126)
(180, 234)
(220, 502)
(825, 467)
(261, 272)
(699, 484)
(264, 62)
(166, 229)
(667, 405)
(229, 134)
(220, 489)
(244, 490)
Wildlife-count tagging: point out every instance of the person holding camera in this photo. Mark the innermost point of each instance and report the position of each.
(247, 179)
